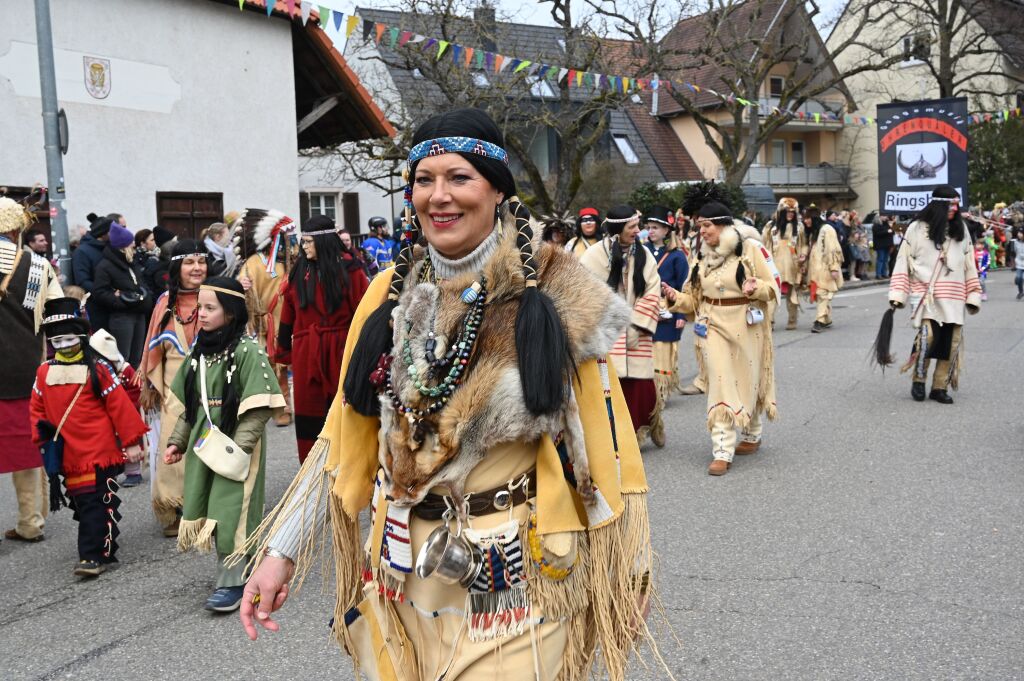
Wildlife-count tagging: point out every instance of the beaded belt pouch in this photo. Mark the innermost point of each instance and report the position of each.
(498, 604)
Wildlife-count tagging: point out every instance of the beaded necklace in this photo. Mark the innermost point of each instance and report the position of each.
(191, 317)
(445, 373)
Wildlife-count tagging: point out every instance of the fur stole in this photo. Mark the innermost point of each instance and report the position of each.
(715, 256)
(488, 407)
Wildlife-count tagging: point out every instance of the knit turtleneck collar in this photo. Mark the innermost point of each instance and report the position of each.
(449, 268)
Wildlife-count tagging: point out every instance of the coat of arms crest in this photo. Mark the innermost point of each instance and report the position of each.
(97, 76)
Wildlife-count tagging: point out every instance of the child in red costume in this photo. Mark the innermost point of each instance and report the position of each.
(78, 400)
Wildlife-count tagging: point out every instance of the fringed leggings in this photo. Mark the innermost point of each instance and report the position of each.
(96, 511)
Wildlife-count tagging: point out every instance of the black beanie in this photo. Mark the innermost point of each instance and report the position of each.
(100, 227)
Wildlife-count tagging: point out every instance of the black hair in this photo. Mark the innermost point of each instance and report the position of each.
(542, 346)
(815, 229)
(936, 214)
(783, 225)
(621, 214)
(183, 247)
(330, 267)
(212, 342)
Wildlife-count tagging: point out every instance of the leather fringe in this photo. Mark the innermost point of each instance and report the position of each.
(166, 510)
(565, 599)
(766, 380)
(311, 544)
(196, 534)
(722, 413)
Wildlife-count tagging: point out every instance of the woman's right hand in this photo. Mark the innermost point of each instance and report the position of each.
(270, 582)
(246, 282)
(172, 455)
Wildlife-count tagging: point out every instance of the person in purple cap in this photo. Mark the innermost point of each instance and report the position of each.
(119, 289)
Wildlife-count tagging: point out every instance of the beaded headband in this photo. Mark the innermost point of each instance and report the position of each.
(188, 255)
(465, 145)
(59, 318)
(943, 198)
(320, 231)
(219, 289)
(616, 221)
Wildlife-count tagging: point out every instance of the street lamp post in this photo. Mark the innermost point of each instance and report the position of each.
(51, 137)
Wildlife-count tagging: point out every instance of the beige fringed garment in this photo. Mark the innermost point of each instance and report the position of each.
(738, 356)
(589, 619)
(826, 256)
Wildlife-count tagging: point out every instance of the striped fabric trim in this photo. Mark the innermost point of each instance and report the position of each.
(167, 337)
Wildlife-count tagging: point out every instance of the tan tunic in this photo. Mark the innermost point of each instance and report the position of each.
(956, 285)
(738, 356)
(579, 245)
(825, 257)
(784, 243)
(632, 357)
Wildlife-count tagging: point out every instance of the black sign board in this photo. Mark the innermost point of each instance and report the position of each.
(920, 146)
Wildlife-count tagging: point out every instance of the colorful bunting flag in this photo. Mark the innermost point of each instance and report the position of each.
(270, 6)
(241, 5)
(305, 8)
(404, 38)
(291, 7)
(522, 65)
(325, 16)
(353, 21)
(380, 28)
(367, 29)
(338, 18)
(442, 45)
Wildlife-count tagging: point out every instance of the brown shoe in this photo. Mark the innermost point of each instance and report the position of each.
(691, 390)
(283, 419)
(718, 467)
(172, 529)
(13, 535)
(744, 447)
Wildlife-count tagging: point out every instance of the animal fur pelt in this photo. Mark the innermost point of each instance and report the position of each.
(488, 408)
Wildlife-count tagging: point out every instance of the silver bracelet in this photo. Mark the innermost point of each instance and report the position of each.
(274, 553)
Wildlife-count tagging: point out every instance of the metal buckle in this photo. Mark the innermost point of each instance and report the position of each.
(502, 500)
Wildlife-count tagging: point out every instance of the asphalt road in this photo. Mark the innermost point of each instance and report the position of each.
(871, 538)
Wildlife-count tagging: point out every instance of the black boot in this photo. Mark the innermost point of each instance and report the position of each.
(817, 327)
(917, 391)
(940, 396)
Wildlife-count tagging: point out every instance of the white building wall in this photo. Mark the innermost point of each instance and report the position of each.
(202, 100)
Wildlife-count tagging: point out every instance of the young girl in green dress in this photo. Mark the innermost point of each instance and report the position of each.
(241, 394)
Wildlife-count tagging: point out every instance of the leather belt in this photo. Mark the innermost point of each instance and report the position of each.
(433, 506)
(725, 302)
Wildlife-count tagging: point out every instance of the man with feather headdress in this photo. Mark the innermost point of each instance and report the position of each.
(261, 238)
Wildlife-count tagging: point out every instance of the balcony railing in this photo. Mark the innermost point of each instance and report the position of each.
(810, 107)
(797, 176)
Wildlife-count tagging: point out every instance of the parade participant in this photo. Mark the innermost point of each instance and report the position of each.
(588, 232)
(783, 237)
(172, 328)
(82, 416)
(557, 229)
(824, 257)
(260, 239)
(621, 261)
(673, 270)
(729, 293)
(105, 345)
(26, 282)
(230, 392)
(380, 247)
(322, 293)
(566, 574)
(936, 274)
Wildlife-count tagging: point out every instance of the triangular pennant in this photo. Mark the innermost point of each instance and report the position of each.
(393, 37)
(478, 60)
(817, 118)
(417, 38)
(404, 38)
(562, 73)
(380, 28)
(499, 62)
(456, 53)
(442, 45)
(579, 78)
(325, 16)
(488, 60)
(291, 7)
(338, 18)
(469, 56)
(270, 6)
(430, 43)
(367, 29)
(513, 64)
(552, 73)
(353, 21)
(522, 65)
(305, 8)
(572, 78)
(241, 4)
(534, 70)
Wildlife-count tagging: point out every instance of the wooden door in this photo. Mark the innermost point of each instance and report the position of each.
(350, 213)
(188, 214)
